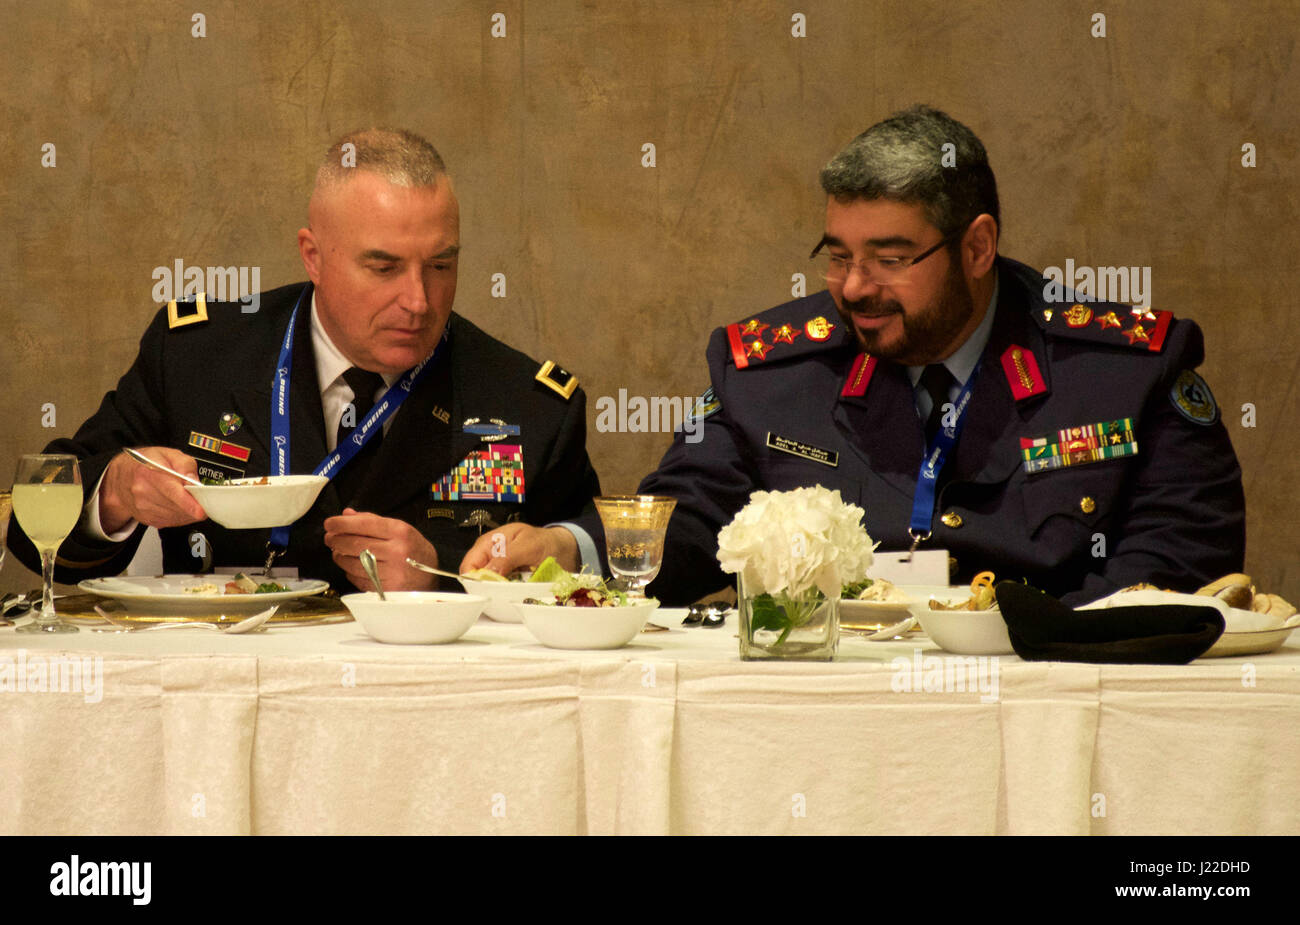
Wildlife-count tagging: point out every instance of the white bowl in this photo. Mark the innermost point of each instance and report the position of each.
(502, 596)
(242, 505)
(415, 617)
(966, 632)
(585, 627)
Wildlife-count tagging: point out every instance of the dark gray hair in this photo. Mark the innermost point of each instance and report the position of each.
(902, 159)
(402, 158)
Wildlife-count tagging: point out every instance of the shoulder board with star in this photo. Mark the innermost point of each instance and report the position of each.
(557, 379)
(1107, 323)
(795, 329)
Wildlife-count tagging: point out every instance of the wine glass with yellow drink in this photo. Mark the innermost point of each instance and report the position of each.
(47, 502)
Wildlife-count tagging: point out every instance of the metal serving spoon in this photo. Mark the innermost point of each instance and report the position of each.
(141, 458)
(431, 570)
(372, 571)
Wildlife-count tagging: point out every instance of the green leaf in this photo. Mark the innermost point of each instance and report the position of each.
(766, 614)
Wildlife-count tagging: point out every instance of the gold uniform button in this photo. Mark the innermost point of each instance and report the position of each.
(1087, 505)
(951, 519)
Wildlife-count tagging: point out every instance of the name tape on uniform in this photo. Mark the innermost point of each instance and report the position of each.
(806, 450)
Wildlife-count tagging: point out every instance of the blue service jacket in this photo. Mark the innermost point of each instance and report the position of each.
(1171, 514)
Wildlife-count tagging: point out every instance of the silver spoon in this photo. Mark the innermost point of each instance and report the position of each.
(246, 625)
(372, 572)
(431, 570)
(141, 458)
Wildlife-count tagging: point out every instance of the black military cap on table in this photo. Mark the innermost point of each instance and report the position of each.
(1044, 629)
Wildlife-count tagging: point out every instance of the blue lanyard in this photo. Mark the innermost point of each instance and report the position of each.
(342, 454)
(936, 454)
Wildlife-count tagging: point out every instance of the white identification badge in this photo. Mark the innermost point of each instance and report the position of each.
(927, 567)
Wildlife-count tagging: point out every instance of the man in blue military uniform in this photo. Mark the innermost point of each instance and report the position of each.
(1069, 443)
(481, 434)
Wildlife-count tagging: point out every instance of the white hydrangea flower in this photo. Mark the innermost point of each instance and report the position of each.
(793, 541)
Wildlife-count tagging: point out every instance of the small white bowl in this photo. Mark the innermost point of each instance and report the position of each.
(502, 596)
(585, 627)
(966, 632)
(415, 617)
(242, 505)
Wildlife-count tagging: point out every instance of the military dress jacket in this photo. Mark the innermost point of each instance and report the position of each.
(793, 402)
(479, 432)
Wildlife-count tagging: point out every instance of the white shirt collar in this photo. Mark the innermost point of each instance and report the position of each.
(330, 361)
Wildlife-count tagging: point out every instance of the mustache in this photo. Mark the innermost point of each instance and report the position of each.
(872, 307)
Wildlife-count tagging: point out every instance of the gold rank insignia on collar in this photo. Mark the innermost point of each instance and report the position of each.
(1022, 372)
(200, 313)
(557, 379)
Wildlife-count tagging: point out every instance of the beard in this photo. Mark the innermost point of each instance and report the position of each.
(927, 331)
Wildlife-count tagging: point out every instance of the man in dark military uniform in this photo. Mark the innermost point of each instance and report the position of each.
(483, 436)
(1066, 442)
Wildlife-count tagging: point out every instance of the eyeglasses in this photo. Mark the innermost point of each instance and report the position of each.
(882, 270)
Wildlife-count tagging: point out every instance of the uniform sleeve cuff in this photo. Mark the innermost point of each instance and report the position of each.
(91, 527)
(587, 555)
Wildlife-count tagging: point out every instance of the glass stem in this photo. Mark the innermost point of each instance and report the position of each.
(47, 614)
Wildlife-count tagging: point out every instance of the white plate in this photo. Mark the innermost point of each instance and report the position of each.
(874, 613)
(167, 595)
(1252, 642)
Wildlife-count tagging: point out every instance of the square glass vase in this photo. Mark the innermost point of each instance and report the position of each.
(776, 626)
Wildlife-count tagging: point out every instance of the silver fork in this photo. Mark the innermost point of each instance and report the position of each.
(246, 625)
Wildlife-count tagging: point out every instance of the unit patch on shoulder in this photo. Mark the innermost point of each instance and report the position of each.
(1193, 399)
(706, 405)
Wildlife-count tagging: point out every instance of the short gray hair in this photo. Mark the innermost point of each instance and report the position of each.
(402, 158)
(902, 158)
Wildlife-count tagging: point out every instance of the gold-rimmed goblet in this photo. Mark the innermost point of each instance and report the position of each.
(47, 502)
(635, 526)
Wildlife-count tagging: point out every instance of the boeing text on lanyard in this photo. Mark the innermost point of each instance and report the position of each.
(342, 454)
(936, 454)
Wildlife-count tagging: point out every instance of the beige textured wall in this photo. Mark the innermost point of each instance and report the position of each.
(1123, 150)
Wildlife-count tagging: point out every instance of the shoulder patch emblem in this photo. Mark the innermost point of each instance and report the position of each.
(199, 315)
(706, 405)
(557, 379)
(1193, 399)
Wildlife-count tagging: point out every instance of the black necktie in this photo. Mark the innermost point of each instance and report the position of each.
(938, 383)
(364, 385)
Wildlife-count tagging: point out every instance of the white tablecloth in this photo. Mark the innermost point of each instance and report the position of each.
(322, 730)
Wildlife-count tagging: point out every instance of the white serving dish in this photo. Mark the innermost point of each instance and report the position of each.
(585, 627)
(502, 596)
(415, 617)
(966, 632)
(243, 505)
